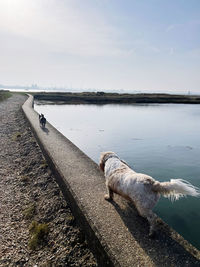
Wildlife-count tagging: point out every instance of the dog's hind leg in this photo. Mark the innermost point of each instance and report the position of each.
(109, 195)
(151, 217)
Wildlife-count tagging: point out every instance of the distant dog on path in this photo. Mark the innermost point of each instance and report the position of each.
(42, 120)
(140, 188)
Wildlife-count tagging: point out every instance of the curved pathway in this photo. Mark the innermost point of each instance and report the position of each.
(29, 193)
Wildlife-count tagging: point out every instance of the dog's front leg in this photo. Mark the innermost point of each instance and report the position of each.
(109, 195)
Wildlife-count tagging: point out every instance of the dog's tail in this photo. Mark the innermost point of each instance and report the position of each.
(176, 189)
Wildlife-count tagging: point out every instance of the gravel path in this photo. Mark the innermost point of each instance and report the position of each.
(36, 224)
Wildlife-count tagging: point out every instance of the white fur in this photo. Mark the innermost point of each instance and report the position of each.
(140, 188)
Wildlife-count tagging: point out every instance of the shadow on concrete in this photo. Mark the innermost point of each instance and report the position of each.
(44, 129)
(162, 248)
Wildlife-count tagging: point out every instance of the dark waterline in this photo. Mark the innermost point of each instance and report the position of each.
(160, 140)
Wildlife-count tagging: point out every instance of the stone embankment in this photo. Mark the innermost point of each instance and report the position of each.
(29, 196)
(115, 232)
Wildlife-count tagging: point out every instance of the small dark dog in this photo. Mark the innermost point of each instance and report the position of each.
(42, 120)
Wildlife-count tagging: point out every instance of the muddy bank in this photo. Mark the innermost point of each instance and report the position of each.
(115, 98)
(37, 227)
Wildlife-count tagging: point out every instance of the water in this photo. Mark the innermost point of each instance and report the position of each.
(160, 140)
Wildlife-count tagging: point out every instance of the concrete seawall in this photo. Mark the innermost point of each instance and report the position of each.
(116, 233)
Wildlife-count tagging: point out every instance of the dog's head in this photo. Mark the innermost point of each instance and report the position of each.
(105, 156)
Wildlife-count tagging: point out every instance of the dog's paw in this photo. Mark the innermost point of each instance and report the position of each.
(107, 197)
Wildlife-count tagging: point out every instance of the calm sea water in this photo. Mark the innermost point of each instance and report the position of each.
(160, 140)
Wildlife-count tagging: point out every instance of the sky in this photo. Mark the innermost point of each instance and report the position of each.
(134, 45)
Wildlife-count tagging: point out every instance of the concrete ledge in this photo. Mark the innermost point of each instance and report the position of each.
(117, 235)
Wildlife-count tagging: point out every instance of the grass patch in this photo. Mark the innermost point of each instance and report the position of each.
(70, 219)
(16, 136)
(29, 212)
(44, 164)
(39, 232)
(4, 95)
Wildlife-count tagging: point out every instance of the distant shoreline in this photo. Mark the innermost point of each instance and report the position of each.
(114, 98)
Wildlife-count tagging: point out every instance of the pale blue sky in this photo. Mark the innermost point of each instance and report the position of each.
(104, 44)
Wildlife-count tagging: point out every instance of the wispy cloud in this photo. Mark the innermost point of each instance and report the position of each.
(170, 28)
(171, 51)
(194, 53)
(59, 26)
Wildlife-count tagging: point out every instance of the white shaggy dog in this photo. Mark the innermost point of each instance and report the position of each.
(140, 188)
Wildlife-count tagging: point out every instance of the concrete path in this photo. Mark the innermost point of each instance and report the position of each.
(116, 233)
